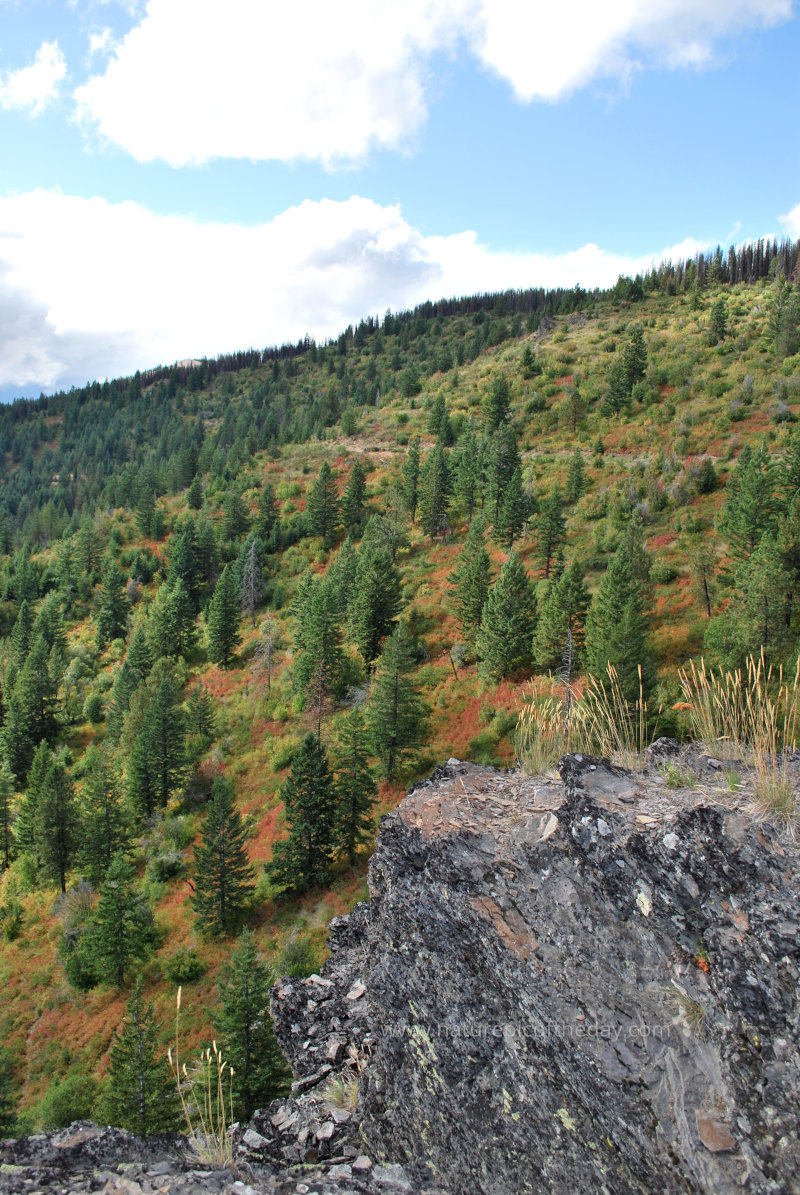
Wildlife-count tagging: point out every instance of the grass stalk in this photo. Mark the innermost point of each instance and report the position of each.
(209, 1111)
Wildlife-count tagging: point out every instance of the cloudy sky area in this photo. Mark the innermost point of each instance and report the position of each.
(181, 177)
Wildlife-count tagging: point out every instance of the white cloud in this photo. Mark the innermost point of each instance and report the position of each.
(100, 43)
(192, 82)
(791, 221)
(89, 288)
(33, 87)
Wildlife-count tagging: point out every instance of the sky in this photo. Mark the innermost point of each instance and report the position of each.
(181, 178)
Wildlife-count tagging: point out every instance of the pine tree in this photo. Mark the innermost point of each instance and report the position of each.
(38, 694)
(158, 759)
(497, 404)
(322, 506)
(184, 561)
(758, 606)
(397, 718)
(236, 518)
(15, 743)
(244, 1026)
(551, 529)
(268, 645)
(321, 658)
(471, 579)
(376, 601)
(7, 837)
(505, 636)
(102, 816)
(21, 638)
(222, 874)
(635, 358)
(434, 492)
(162, 624)
(141, 1095)
(201, 718)
(410, 487)
(439, 421)
(56, 824)
(224, 634)
(194, 494)
(355, 787)
(618, 393)
(355, 496)
(267, 513)
(514, 511)
(750, 501)
(617, 629)
(718, 322)
(8, 1101)
(702, 562)
(576, 477)
(25, 828)
(112, 614)
(563, 614)
(304, 859)
(121, 932)
(468, 470)
(502, 460)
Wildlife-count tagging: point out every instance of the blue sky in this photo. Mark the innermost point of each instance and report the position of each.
(181, 178)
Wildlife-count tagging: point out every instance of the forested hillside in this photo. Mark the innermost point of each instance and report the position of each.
(244, 602)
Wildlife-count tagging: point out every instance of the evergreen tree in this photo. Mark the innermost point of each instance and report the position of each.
(750, 501)
(102, 816)
(563, 614)
(201, 718)
(635, 358)
(21, 638)
(702, 562)
(322, 506)
(397, 718)
(157, 761)
(121, 932)
(529, 365)
(8, 1102)
(756, 615)
(25, 828)
(718, 322)
(321, 657)
(268, 645)
(618, 392)
(471, 579)
(355, 496)
(37, 692)
(235, 519)
(551, 529)
(194, 494)
(162, 624)
(56, 824)
(514, 511)
(15, 743)
(267, 513)
(7, 837)
(376, 600)
(439, 420)
(434, 492)
(617, 629)
(576, 477)
(505, 635)
(244, 1027)
(141, 1095)
(497, 404)
(304, 859)
(356, 789)
(112, 614)
(134, 671)
(468, 470)
(410, 486)
(184, 561)
(224, 634)
(502, 460)
(222, 874)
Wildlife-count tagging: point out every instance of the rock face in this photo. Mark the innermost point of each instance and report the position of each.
(578, 984)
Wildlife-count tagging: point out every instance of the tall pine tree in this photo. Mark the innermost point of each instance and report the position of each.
(224, 632)
(304, 859)
(140, 1095)
(222, 874)
(505, 636)
(397, 717)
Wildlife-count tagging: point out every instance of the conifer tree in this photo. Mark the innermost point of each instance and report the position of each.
(617, 629)
(434, 492)
(356, 789)
(497, 404)
(576, 477)
(162, 624)
(355, 496)
(158, 758)
(322, 506)
(410, 488)
(267, 513)
(222, 874)
(184, 561)
(468, 470)
(102, 816)
(37, 692)
(514, 511)
(56, 824)
(471, 578)
(7, 837)
(201, 718)
(702, 561)
(635, 358)
(551, 529)
(341, 574)
(321, 655)
(750, 501)
(25, 828)
(563, 614)
(502, 459)
(756, 616)
(268, 645)
(718, 322)
(224, 634)
(397, 718)
(304, 859)
(21, 638)
(505, 636)
(194, 494)
(376, 600)
(141, 1095)
(244, 1026)
(121, 932)
(235, 518)
(134, 671)
(439, 420)
(8, 1102)
(15, 743)
(112, 614)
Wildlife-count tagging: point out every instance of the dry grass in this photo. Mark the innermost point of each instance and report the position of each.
(752, 715)
(206, 1094)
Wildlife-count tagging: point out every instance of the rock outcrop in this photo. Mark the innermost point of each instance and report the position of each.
(578, 984)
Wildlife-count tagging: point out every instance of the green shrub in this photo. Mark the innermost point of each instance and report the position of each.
(184, 966)
(67, 1100)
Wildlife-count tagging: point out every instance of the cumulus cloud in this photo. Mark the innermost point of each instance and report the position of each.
(33, 87)
(791, 221)
(319, 81)
(94, 289)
